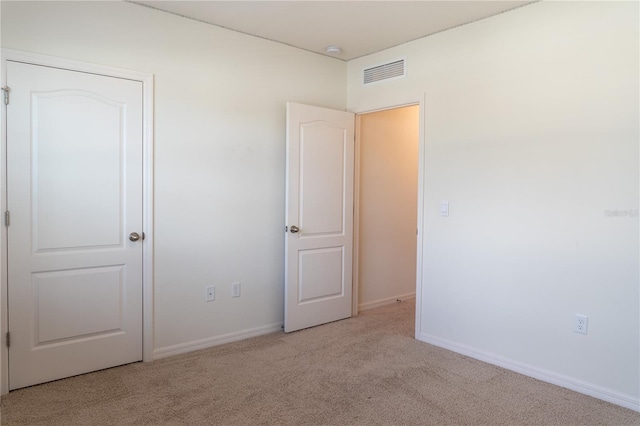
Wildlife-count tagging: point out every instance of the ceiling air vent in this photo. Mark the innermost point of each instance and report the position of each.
(384, 72)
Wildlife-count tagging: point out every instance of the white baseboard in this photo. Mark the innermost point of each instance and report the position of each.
(385, 301)
(576, 385)
(209, 342)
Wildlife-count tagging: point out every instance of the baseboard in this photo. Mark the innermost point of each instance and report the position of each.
(385, 301)
(209, 342)
(576, 385)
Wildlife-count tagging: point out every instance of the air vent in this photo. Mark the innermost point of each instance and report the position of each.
(384, 72)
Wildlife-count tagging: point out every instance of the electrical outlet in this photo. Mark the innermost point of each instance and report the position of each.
(211, 294)
(235, 289)
(582, 321)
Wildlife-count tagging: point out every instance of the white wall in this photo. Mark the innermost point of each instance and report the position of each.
(388, 200)
(531, 133)
(219, 149)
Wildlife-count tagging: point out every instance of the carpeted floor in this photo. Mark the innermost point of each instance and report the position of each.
(366, 370)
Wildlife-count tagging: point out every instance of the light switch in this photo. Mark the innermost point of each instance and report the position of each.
(444, 208)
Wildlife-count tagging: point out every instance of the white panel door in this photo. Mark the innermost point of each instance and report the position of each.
(319, 216)
(74, 193)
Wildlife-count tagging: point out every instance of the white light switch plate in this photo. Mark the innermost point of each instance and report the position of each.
(444, 208)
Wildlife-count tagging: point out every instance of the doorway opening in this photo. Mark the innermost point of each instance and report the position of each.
(386, 206)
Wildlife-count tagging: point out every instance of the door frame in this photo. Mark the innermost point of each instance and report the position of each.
(147, 81)
(420, 102)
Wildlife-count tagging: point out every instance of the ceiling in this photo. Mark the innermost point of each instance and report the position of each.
(357, 27)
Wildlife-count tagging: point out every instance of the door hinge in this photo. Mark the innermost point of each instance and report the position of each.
(7, 218)
(6, 90)
(286, 229)
(8, 339)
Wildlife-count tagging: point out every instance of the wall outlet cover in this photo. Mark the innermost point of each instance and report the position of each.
(582, 321)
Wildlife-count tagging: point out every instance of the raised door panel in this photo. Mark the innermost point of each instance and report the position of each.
(322, 161)
(69, 211)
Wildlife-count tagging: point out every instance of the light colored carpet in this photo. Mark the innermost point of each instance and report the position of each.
(366, 370)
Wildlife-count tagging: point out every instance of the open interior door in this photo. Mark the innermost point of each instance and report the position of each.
(319, 216)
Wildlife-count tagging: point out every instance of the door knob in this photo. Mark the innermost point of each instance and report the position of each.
(134, 236)
(294, 229)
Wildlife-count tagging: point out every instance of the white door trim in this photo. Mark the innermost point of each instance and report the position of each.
(420, 101)
(147, 202)
(355, 299)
